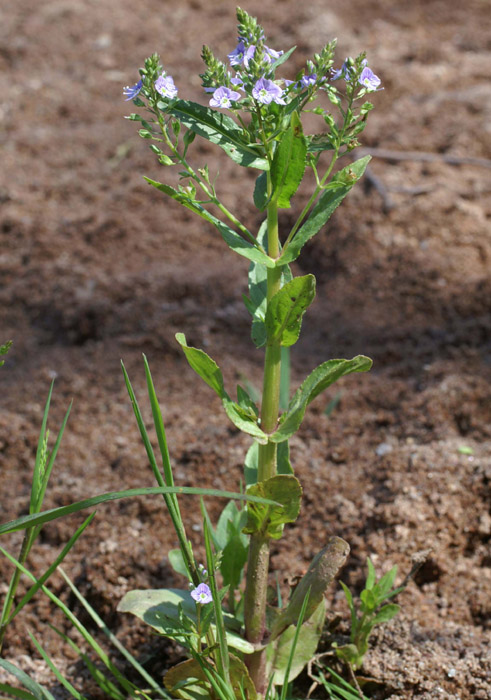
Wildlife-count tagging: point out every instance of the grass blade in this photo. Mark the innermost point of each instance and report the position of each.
(65, 683)
(223, 657)
(37, 690)
(27, 521)
(301, 616)
(114, 641)
(38, 473)
(49, 466)
(33, 590)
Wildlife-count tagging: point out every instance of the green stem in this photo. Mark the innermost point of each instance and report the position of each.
(258, 564)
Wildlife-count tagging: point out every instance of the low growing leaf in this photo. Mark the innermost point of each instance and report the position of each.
(278, 651)
(154, 606)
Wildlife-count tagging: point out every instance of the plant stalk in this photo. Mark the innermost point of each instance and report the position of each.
(258, 564)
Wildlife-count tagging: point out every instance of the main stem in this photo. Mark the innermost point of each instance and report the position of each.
(258, 564)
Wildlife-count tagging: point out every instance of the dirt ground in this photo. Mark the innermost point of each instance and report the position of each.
(95, 266)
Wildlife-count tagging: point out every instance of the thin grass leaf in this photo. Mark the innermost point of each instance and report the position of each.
(77, 624)
(114, 641)
(346, 690)
(15, 692)
(37, 690)
(223, 657)
(294, 645)
(42, 579)
(65, 682)
(171, 502)
(37, 477)
(27, 521)
(49, 466)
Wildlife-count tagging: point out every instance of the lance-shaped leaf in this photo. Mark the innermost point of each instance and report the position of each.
(327, 203)
(268, 520)
(288, 164)
(233, 239)
(322, 377)
(156, 607)
(209, 371)
(279, 650)
(260, 195)
(324, 567)
(219, 129)
(286, 308)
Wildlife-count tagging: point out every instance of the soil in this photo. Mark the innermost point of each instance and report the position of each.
(96, 266)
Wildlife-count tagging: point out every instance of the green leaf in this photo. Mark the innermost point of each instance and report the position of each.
(204, 366)
(244, 421)
(327, 203)
(233, 239)
(251, 463)
(383, 586)
(176, 560)
(34, 688)
(371, 574)
(269, 521)
(234, 558)
(386, 613)
(286, 308)
(153, 606)
(4, 350)
(288, 165)
(260, 195)
(323, 376)
(26, 521)
(209, 371)
(369, 600)
(219, 129)
(191, 680)
(230, 521)
(278, 651)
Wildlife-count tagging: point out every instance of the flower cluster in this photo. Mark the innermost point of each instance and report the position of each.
(366, 78)
(164, 85)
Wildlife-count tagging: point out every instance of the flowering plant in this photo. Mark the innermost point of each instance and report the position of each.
(239, 646)
(255, 117)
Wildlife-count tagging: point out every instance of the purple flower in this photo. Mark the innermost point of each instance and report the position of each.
(236, 57)
(132, 92)
(271, 54)
(237, 80)
(265, 91)
(223, 97)
(308, 80)
(369, 80)
(202, 594)
(165, 86)
(343, 72)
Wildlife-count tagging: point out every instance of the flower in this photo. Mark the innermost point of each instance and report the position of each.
(132, 92)
(271, 54)
(236, 57)
(165, 86)
(265, 91)
(202, 594)
(308, 80)
(223, 97)
(369, 80)
(343, 72)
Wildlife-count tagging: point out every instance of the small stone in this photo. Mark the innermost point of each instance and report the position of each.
(383, 449)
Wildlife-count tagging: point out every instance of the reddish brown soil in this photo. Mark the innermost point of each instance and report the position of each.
(95, 266)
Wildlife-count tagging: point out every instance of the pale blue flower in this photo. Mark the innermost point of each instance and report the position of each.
(236, 57)
(223, 97)
(266, 91)
(202, 594)
(132, 92)
(369, 80)
(165, 86)
(308, 80)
